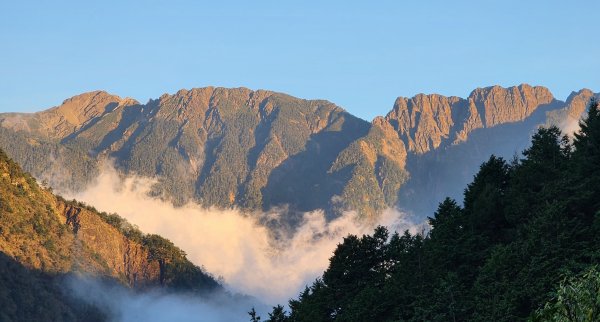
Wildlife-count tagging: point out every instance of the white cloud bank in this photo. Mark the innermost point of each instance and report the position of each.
(230, 243)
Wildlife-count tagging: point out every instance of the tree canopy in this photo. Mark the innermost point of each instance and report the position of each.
(525, 226)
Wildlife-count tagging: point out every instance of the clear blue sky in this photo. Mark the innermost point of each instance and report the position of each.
(359, 54)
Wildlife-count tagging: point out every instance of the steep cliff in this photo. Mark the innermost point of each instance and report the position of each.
(567, 118)
(426, 122)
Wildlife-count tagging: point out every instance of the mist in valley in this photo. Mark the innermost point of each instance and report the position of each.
(271, 266)
(120, 304)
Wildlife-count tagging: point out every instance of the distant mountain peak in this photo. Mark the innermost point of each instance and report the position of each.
(89, 102)
(425, 121)
(77, 111)
(499, 105)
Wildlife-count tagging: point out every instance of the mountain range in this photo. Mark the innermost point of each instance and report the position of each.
(260, 149)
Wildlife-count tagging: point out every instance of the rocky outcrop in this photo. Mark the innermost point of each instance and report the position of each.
(577, 103)
(123, 258)
(425, 122)
(498, 105)
(567, 118)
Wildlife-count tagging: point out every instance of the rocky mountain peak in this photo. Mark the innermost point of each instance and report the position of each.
(73, 114)
(567, 118)
(424, 122)
(81, 108)
(499, 105)
(578, 102)
(190, 104)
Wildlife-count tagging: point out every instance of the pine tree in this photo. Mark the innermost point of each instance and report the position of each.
(254, 317)
(278, 315)
(586, 160)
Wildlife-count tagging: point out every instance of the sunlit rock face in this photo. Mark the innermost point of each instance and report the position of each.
(424, 122)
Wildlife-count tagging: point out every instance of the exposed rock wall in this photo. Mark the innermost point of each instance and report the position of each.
(124, 258)
(425, 122)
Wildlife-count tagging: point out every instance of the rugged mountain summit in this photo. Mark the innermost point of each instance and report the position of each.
(261, 149)
(575, 107)
(425, 122)
(72, 115)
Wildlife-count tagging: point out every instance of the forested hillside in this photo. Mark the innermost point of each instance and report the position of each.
(525, 225)
(44, 239)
